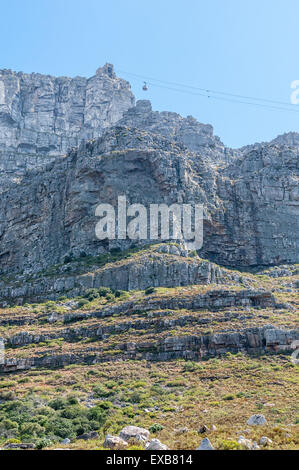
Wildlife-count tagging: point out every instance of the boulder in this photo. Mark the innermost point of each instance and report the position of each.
(203, 429)
(155, 444)
(265, 441)
(205, 445)
(257, 420)
(135, 432)
(246, 443)
(66, 441)
(183, 430)
(114, 442)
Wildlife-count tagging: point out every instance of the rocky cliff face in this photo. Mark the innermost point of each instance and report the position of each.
(47, 210)
(196, 136)
(43, 116)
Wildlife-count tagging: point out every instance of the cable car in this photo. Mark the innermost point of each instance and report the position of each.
(145, 87)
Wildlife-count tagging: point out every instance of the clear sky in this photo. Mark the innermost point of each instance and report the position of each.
(246, 47)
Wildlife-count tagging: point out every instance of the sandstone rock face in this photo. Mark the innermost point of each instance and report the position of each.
(196, 136)
(51, 213)
(42, 116)
(193, 347)
(262, 202)
(48, 201)
(150, 270)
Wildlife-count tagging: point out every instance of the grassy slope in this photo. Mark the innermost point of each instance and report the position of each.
(224, 391)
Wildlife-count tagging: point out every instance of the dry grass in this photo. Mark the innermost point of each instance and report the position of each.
(224, 392)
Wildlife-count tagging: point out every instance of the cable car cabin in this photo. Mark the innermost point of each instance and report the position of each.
(145, 87)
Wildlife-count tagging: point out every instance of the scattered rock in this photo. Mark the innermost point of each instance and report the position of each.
(130, 432)
(265, 441)
(21, 446)
(203, 429)
(114, 442)
(245, 431)
(257, 420)
(181, 430)
(246, 443)
(205, 445)
(53, 317)
(66, 441)
(141, 438)
(155, 444)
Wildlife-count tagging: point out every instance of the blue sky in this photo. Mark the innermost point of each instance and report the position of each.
(241, 47)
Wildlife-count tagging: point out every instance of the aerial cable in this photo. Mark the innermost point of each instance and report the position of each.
(209, 93)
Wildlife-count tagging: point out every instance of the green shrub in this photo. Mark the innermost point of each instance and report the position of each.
(135, 397)
(100, 391)
(45, 422)
(190, 366)
(82, 302)
(104, 291)
(149, 290)
(50, 305)
(91, 294)
(228, 397)
(58, 403)
(224, 444)
(119, 293)
(42, 443)
(156, 428)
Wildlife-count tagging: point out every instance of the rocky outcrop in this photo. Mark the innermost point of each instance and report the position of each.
(252, 340)
(214, 300)
(156, 270)
(43, 116)
(196, 136)
(46, 115)
(194, 347)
